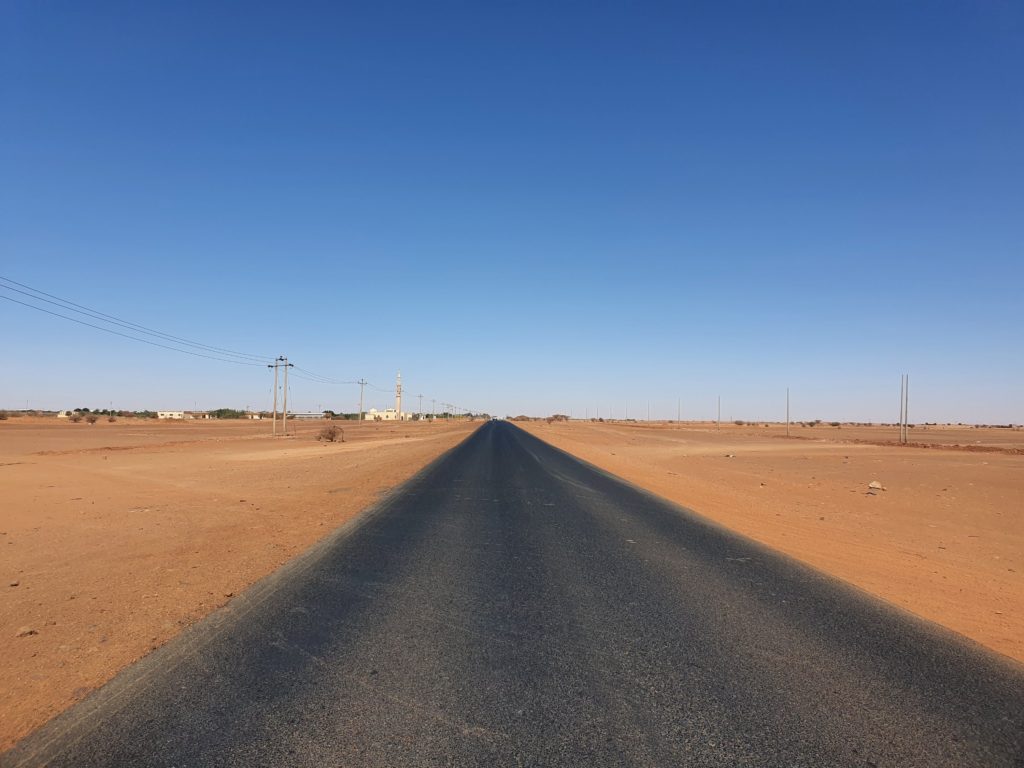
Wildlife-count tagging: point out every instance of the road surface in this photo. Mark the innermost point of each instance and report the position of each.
(514, 606)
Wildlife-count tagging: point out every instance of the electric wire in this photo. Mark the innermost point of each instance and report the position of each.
(125, 335)
(114, 320)
(221, 354)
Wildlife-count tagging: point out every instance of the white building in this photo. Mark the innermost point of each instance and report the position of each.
(170, 414)
(388, 414)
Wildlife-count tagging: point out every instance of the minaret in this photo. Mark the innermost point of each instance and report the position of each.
(398, 397)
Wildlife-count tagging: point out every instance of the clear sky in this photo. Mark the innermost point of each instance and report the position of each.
(525, 207)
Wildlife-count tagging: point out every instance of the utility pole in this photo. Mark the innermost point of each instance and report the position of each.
(420, 409)
(787, 411)
(398, 396)
(901, 407)
(648, 410)
(433, 410)
(361, 383)
(904, 403)
(274, 366)
(284, 415)
(719, 423)
(679, 410)
(906, 411)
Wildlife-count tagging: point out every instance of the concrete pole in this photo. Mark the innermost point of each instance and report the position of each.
(902, 378)
(398, 397)
(274, 366)
(362, 383)
(787, 411)
(284, 414)
(906, 410)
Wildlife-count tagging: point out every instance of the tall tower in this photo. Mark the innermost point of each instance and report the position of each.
(398, 397)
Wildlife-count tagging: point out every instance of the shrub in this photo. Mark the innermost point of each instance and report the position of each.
(739, 422)
(111, 419)
(834, 423)
(331, 434)
(92, 418)
(75, 417)
(3, 415)
(227, 413)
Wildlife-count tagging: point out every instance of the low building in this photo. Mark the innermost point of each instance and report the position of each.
(388, 414)
(310, 415)
(254, 416)
(170, 414)
(64, 414)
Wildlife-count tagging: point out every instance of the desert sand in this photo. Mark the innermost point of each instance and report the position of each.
(944, 539)
(115, 536)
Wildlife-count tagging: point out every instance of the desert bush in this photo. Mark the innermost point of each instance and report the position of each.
(331, 434)
(227, 413)
(111, 419)
(92, 418)
(3, 415)
(739, 422)
(75, 418)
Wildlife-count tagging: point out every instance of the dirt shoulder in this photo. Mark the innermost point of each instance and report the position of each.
(945, 539)
(113, 537)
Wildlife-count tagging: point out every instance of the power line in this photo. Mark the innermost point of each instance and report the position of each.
(127, 336)
(113, 320)
(321, 378)
(207, 351)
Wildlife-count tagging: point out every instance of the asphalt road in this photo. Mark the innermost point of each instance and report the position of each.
(514, 606)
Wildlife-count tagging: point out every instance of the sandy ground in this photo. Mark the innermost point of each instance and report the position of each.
(115, 536)
(945, 539)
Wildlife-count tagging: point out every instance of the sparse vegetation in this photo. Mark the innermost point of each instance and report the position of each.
(331, 434)
(92, 418)
(3, 415)
(75, 418)
(739, 422)
(111, 418)
(227, 413)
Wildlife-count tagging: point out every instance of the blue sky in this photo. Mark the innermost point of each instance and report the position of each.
(525, 207)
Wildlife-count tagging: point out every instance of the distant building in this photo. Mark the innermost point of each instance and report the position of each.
(388, 414)
(254, 416)
(310, 415)
(170, 414)
(64, 414)
(198, 415)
